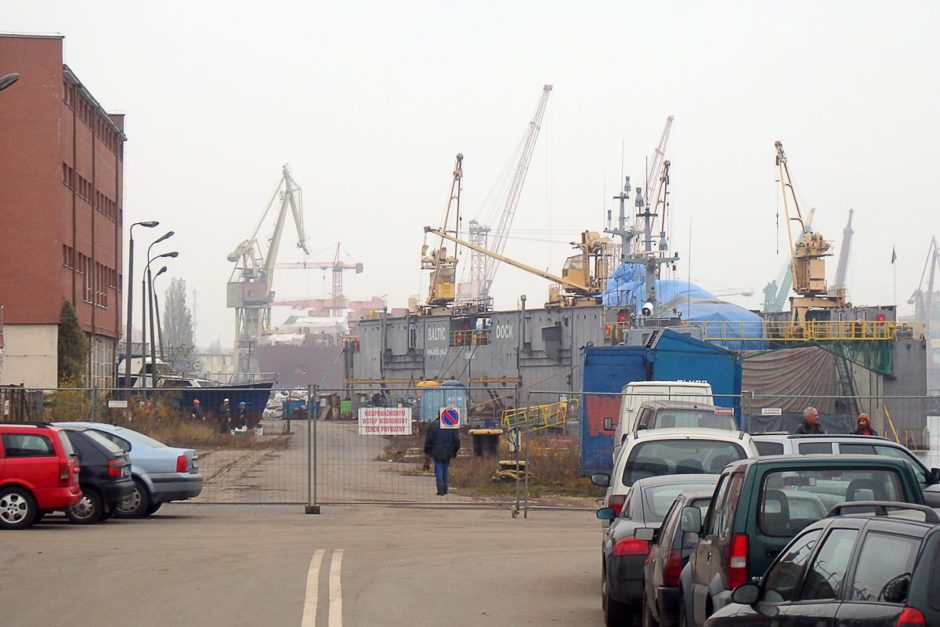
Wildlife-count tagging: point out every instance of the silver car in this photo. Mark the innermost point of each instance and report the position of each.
(161, 473)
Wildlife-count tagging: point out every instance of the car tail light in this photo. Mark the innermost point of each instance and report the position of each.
(182, 465)
(631, 546)
(673, 568)
(114, 468)
(911, 617)
(65, 472)
(737, 561)
(616, 501)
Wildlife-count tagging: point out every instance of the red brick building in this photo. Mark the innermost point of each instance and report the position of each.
(61, 213)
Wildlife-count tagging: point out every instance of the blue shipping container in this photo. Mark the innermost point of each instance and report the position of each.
(433, 399)
(673, 357)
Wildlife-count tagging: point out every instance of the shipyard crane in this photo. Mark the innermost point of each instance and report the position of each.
(501, 234)
(337, 266)
(250, 287)
(923, 299)
(584, 275)
(842, 268)
(777, 292)
(653, 176)
(443, 266)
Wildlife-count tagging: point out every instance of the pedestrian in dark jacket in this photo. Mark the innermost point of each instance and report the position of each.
(864, 426)
(441, 445)
(196, 412)
(810, 424)
(225, 417)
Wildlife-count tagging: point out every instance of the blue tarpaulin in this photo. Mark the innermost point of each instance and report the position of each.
(626, 287)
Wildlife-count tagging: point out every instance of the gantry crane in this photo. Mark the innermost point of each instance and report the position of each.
(250, 288)
(807, 254)
(501, 234)
(583, 277)
(337, 266)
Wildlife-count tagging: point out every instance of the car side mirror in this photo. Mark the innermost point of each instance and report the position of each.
(690, 520)
(609, 424)
(746, 594)
(934, 476)
(601, 479)
(645, 533)
(895, 591)
(605, 513)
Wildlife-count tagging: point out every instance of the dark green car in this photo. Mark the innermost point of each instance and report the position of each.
(759, 505)
(866, 565)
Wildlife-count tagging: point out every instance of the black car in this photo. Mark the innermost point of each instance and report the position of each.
(868, 564)
(104, 476)
(669, 553)
(626, 542)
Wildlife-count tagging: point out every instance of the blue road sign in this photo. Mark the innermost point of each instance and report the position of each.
(450, 418)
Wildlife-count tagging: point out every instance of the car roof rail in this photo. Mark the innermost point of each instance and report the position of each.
(881, 509)
(26, 423)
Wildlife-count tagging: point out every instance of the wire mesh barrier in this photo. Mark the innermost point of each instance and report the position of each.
(366, 445)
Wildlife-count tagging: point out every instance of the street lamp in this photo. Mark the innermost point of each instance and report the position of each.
(8, 79)
(143, 302)
(130, 302)
(149, 288)
(156, 308)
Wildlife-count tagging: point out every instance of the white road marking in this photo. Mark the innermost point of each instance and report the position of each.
(336, 591)
(310, 600)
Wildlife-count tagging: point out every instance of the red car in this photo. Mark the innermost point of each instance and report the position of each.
(38, 473)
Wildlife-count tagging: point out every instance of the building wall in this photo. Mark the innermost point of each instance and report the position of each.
(61, 187)
(30, 355)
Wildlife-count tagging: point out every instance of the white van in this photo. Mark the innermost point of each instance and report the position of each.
(636, 393)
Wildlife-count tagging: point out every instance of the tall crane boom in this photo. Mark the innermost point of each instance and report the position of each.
(515, 191)
(842, 268)
(653, 176)
(250, 289)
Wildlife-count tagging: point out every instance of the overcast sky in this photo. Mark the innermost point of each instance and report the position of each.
(369, 102)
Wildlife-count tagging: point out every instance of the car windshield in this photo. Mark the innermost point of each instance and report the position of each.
(692, 418)
(659, 499)
(793, 499)
(679, 457)
(108, 445)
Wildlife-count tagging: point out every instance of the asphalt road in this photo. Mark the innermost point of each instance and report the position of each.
(273, 565)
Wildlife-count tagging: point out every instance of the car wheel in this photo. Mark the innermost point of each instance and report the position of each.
(648, 620)
(17, 508)
(152, 509)
(88, 510)
(615, 612)
(136, 503)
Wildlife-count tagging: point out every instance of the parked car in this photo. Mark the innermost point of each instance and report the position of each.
(685, 414)
(38, 473)
(624, 549)
(105, 477)
(672, 452)
(849, 569)
(847, 444)
(160, 473)
(759, 505)
(669, 553)
(636, 393)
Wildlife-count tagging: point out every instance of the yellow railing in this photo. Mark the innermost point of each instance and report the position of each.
(813, 330)
(538, 416)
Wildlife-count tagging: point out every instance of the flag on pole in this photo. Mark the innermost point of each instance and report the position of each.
(894, 255)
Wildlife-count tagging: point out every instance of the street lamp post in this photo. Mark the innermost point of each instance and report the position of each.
(156, 309)
(143, 303)
(128, 342)
(149, 288)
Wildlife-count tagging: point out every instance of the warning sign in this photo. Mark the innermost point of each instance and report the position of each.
(384, 421)
(450, 418)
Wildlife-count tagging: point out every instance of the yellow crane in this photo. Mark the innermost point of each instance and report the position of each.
(807, 254)
(583, 276)
(443, 266)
